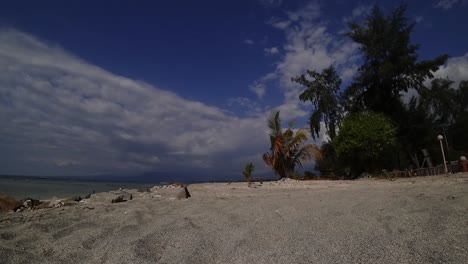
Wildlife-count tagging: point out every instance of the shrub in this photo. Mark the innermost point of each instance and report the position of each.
(248, 169)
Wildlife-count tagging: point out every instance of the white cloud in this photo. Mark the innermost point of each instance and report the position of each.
(358, 12)
(58, 111)
(248, 42)
(270, 3)
(418, 19)
(308, 13)
(259, 89)
(309, 46)
(456, 69)
(251, 108)
(271, 51)
(279, 24)
(448, 4)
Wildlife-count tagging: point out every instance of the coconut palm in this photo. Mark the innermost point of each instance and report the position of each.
(287, 149)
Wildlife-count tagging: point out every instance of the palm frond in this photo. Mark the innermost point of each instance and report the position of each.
(314, 150)
(287, 148)
(274, 124)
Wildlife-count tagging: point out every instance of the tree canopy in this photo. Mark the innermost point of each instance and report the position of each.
(390, 70)
(390, 62)
(323, 92)
(373, 123)
(364, 141)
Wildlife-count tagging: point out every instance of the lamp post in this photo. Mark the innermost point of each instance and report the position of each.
(440, 137)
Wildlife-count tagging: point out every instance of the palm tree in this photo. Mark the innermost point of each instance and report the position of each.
(248, 169)
(287, 148)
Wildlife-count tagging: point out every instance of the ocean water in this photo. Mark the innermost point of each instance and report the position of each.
(46, 188)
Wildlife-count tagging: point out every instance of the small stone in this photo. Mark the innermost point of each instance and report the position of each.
(58, 203)
(75, 198)
(184, 194)
(43, 205)
(122, 198)
(29, 203)
(118, 199)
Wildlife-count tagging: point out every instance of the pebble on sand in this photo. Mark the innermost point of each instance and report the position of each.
(184, 194)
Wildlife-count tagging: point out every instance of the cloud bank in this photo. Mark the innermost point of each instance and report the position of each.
(448, 4)
(61, 114)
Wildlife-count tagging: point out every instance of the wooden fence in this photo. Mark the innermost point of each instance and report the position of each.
(438, 170)
(452, 168)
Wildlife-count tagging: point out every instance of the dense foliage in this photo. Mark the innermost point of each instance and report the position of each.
(323, 92)
(390, 64)
(378, 117)
(365, 141)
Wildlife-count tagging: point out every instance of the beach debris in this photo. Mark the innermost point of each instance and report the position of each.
(87, 196)
(184, 194)
(29, 203)
(57, 203)
(75, 198)
(8, 203)
(122, 198)
(118, 199)
(61, 203)
(155, 188)
(364, 175)
(177, 184)
(143, 190)
(43, 205)
(69, 203)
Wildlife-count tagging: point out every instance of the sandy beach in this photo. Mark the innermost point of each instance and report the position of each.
(411, 220)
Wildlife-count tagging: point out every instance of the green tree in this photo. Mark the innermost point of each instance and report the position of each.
(448, 107)
(460, 125)
(462, 98)
(248, 169)
(323, 92)
(459, 132)
(288, 148)
(364, 141)
(442, 100)
(390, 64)
(328, 165)
(416, 132)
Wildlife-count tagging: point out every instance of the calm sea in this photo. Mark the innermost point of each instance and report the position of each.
(46, 188)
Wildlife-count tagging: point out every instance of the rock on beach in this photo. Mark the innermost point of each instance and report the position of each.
(8, 203)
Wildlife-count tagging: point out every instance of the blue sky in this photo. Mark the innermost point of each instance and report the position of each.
(90, 87)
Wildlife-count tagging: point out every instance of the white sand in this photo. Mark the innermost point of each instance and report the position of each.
(417, 220)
